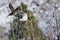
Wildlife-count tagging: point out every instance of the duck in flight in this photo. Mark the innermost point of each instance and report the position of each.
(22, 16)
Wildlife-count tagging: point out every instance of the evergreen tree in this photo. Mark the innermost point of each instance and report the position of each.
(26, 29)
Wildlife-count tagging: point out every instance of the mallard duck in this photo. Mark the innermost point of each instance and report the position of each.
(15, 12)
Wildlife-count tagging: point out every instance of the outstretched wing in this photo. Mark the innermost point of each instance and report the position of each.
(12, 9)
